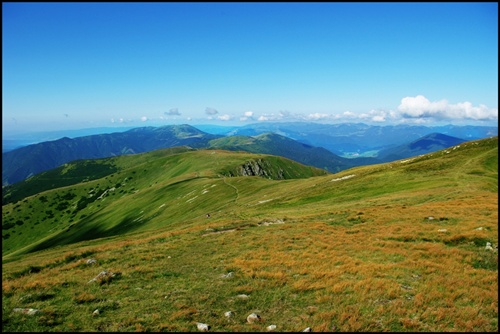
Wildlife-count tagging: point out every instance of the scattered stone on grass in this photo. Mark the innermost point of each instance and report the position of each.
(253, 318)
(228, 275)
(202, 327)
(490, 247)
(270, 328)
(28, 311)
(102, 275)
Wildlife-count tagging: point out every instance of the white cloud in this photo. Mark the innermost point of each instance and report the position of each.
(378, 118)
(378, 115)
(144, 118)
(282, 115)
(348, 114)
(420, 107)
(318, 116)
(248, 115)
(119, 120)
(273, 117)
(172, 112)
(225, 117)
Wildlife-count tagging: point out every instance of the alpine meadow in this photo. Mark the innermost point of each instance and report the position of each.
(174, 238)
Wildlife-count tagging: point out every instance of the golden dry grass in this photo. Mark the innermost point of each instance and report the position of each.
(327, 258)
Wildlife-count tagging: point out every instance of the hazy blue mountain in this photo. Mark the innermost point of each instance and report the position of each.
(21, 163)
(324, 146)
(347, 138)
(216, 129)
(429, 143)
(24, 162)
(14, 141)
(271, 143)
(12, 144)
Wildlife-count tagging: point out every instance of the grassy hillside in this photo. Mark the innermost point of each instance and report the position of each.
(390, 247)
(69, 174)
(153, 187)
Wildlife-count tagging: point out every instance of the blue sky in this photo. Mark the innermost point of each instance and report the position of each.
(82, 65)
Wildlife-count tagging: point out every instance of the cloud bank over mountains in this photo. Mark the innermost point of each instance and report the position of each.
(411, 110)
(416, 109)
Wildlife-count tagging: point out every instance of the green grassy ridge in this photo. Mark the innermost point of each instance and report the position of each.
(76, 172)
(149, 172)
(139, 183)
(170, 187)
(345, 255)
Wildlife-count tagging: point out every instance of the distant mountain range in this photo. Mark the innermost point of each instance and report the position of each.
(318, 145)
(355, 139)
(274, 144)
(29, 160)
(24, 162)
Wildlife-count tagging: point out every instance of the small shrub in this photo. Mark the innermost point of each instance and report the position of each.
(40, 296)
(480, 242)
(8, 226)
(486, 260)
(456, 240)
(27, 271)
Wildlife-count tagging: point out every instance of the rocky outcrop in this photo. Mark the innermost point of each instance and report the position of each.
(260, 167)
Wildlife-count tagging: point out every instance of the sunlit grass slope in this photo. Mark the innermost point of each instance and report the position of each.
(391, 247)
(139, 192)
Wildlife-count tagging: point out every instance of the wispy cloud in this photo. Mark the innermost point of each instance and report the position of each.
(318, 116)
(225, 117)
(211, 111)
(282, 115)
(247, 116)
(172, 112)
